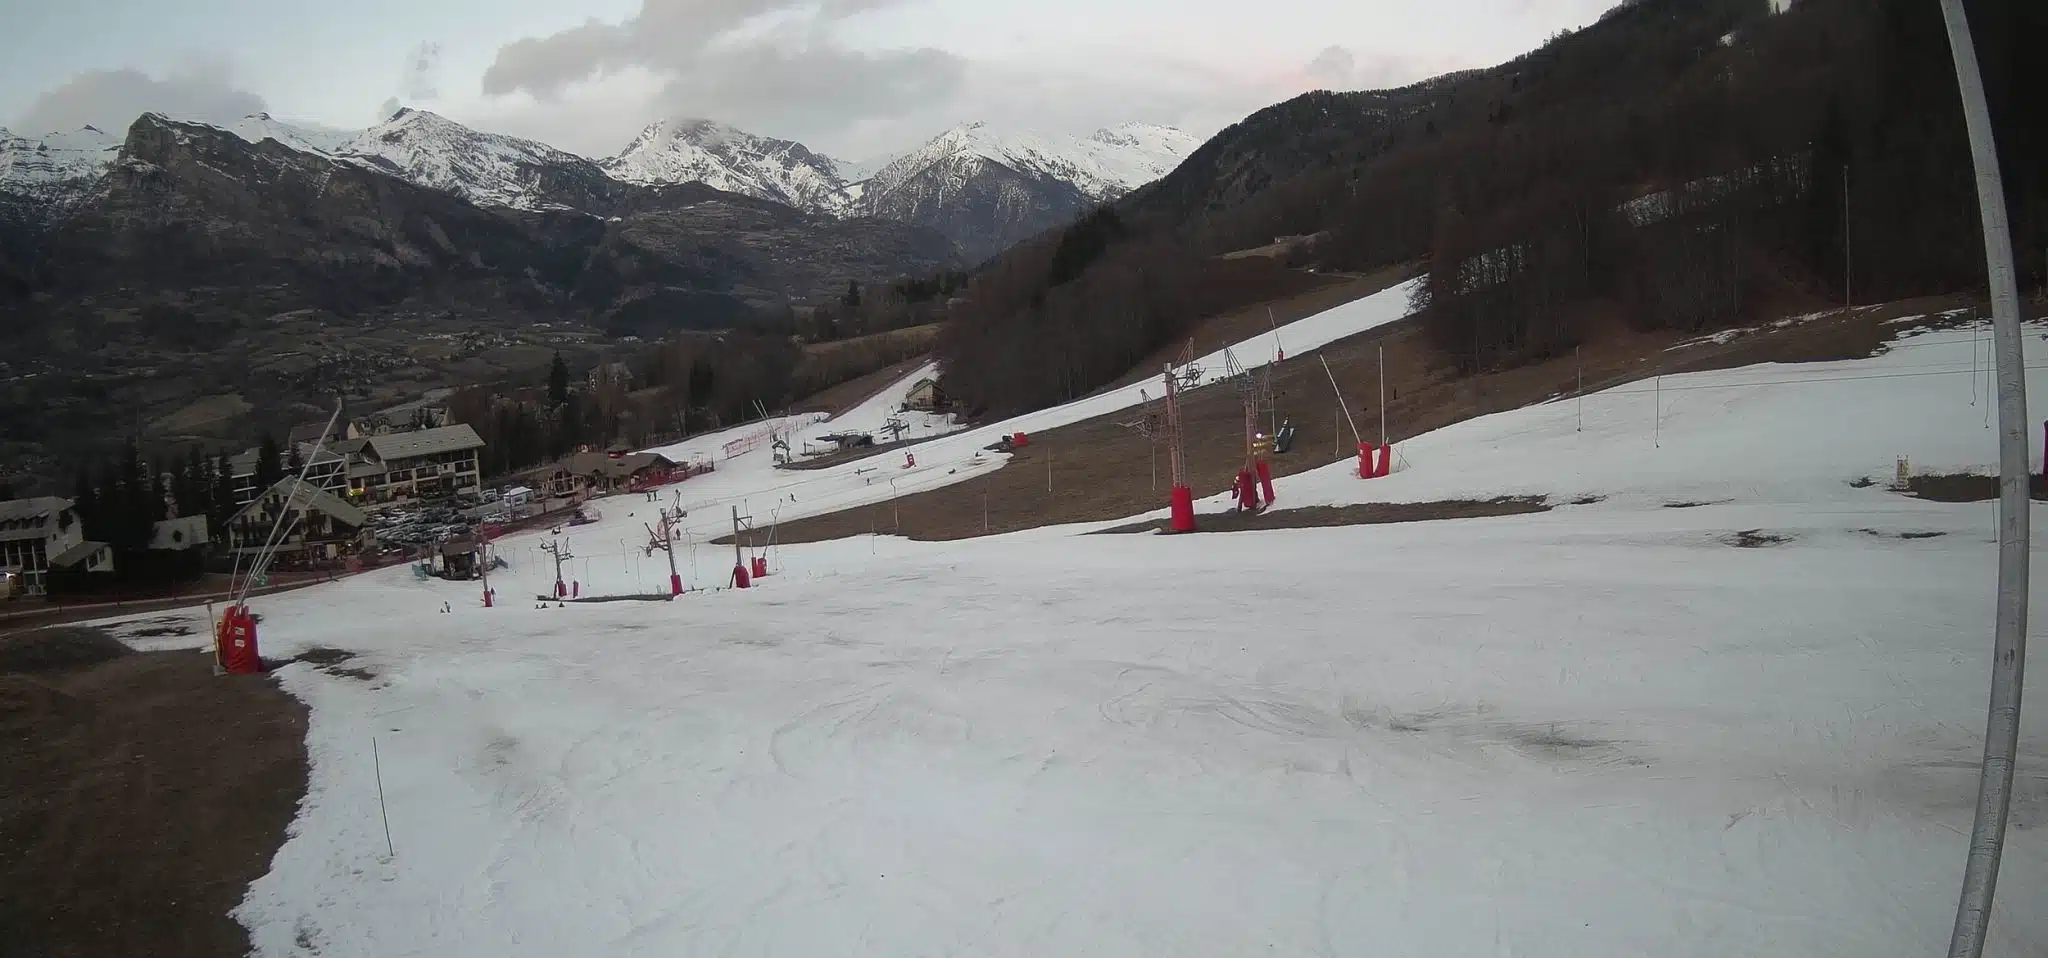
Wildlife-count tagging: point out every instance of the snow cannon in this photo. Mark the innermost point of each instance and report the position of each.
(235, 643)
(1183, 509)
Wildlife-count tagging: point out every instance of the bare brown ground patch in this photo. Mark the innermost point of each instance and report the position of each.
(140, 794)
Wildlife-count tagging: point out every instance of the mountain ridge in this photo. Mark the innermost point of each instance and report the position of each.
(982, 188)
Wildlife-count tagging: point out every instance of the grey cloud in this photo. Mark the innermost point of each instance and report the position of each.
(112, 99)
(792, 80)
(1334, 67)
(814, 91)
(1339, 68)
(422, 73)
(544, 65)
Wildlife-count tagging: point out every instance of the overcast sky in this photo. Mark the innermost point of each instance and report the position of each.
(853, 78)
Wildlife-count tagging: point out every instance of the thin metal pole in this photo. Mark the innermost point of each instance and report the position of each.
(2009, 645)
(737, 558)
(1341, 406)
(1657, 414)
(1848, 252)
(1582, 387)
(984, 507)
(377, 763)
(1048, 470)
(1383, 395)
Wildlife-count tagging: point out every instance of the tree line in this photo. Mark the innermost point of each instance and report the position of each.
(1064, 314)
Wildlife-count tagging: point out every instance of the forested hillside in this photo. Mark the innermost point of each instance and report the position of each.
(1680, 163)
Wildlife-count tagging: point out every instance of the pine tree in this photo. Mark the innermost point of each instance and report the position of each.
(86, 502)
(269, 464)
(195, 496)
(159, 491)
(130, 528)
(558, 381)
(223, 482)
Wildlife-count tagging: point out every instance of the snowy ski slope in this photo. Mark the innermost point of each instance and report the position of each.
(751, 482)
(1778, 432)
(1604, 730)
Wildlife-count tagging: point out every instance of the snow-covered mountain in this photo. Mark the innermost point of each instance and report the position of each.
(982, 189)
(1102, 166)
(989, 190)
(719, 156)
(42, 179)
(304, 137)
(69, 162)
(488, 169)
(34, 166)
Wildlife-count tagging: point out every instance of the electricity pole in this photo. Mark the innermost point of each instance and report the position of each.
(2009, 644)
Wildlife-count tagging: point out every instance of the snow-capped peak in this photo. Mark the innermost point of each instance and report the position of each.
(1103, 166)
(34, 164)
(436, 152)
(725, 158)
(304, 137)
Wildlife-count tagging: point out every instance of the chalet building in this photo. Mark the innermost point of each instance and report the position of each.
(925, 396)
(317, 524)
(413, 465)
(326, 467)
(41, 534)
(596, 473)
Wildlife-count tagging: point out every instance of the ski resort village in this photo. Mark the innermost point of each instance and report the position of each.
(1565, 491)
(1667, 667)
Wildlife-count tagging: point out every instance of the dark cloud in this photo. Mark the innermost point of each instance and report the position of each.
(542, 66)
(770, 64)
(112, 99)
